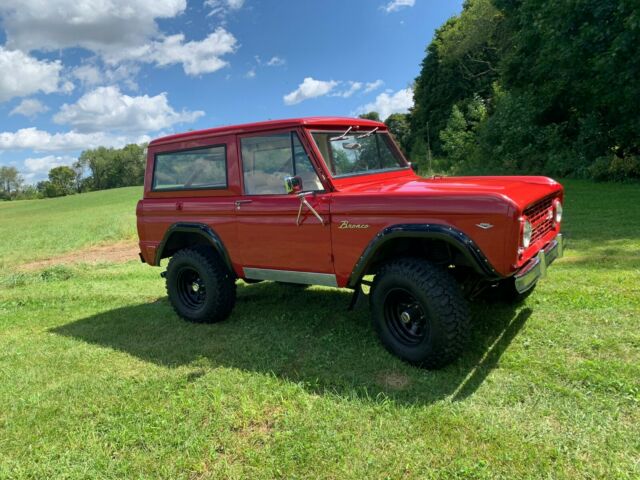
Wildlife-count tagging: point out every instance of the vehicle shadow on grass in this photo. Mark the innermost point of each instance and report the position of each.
(305, 336)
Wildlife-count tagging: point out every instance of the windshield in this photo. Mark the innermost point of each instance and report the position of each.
(353, 153)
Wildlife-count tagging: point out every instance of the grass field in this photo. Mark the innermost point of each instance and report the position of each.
(35, 229)
(99, 379)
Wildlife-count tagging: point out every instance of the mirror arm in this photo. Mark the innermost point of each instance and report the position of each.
(303, 201)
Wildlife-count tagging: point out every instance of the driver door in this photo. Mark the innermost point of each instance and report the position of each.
(275, 242)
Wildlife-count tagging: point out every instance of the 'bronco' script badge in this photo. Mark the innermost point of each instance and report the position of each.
(346, 224)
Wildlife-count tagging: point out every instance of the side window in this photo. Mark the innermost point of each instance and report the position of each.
(268, 159)
(191, 169)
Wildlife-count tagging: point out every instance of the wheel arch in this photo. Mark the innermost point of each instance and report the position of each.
(403, 237)
(182, 235)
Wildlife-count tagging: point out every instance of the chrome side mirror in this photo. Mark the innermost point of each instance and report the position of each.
(293, 184)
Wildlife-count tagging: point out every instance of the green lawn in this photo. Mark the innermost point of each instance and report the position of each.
(36, 229)
(99, 379)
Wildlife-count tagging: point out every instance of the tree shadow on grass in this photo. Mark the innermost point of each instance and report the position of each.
(304, 336)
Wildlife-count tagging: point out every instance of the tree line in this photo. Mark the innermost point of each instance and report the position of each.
(95, 169)
(531, 87)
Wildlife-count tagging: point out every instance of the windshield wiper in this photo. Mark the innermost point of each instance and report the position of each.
(340, 137)
(368, 134)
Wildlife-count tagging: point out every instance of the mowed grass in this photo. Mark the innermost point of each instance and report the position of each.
(37, 229)
(99, 379)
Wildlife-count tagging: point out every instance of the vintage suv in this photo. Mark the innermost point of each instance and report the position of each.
(333, 202)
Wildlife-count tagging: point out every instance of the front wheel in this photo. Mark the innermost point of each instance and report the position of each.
(419, 313)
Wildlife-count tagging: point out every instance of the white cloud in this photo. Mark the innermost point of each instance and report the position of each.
(43, 141)
(117, 31)
(196, 57)
(353, 88)
(251, 73)
(24, 75)
(222, 7)
(91, 75)
(395, 5)
(106, 108)
(29, 107)
(276, 61)
(88, 74)
(371, 86)
(309, 88)
(36, 169)
(98, 25)
(386, 104)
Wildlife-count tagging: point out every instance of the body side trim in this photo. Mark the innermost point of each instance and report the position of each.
(448, 234)
(290, 276)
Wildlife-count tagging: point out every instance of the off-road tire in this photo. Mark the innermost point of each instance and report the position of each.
(202, 266)
(441, 305)
(505, 292)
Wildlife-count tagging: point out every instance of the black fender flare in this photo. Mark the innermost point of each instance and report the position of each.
(451, 235)
(201, 229)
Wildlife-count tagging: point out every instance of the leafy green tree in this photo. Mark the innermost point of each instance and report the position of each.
(10, 182)
(28, 192)
(42, 186)
(399, 126)
(570, 70)
(371, 116)
(419, 153)
(558, 81)
(61, 182)
(112, 168)
(563, 53)
(459, 138)
(461, 62)
(80, 182)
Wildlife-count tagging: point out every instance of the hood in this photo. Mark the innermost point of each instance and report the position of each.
(521, 190)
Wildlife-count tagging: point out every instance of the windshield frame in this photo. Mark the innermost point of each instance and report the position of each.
(359, 130)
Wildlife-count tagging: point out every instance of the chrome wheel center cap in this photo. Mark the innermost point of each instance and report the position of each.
(195, 286)
(405, 317)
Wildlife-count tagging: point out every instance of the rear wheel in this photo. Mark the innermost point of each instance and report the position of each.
(419, 313)
(200, 287)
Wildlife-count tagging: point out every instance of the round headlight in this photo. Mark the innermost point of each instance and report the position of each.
(527, 230)
(557, 207)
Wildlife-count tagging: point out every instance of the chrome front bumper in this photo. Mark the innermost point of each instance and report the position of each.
(536, 268)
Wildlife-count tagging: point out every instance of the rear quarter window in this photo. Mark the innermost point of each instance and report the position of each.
(201, 168)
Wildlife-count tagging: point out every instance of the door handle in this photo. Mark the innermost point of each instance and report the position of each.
(239, 203)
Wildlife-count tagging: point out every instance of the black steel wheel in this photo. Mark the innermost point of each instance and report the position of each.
(405, 317)
(191, 288)
(419, 312)
(200, 287)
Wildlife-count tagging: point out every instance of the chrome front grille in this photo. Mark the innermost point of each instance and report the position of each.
(540, 214)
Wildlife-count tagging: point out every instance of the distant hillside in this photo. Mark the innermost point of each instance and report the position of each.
(36, 229)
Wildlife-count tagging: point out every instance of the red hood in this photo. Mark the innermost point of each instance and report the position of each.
(521, 190)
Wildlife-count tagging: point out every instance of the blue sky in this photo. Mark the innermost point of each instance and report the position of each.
(83, 73)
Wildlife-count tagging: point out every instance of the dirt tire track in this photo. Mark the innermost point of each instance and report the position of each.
(119, 252)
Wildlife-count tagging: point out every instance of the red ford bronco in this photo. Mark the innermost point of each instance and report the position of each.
(333, 202)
